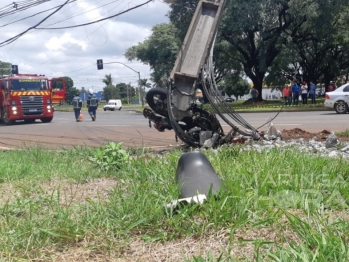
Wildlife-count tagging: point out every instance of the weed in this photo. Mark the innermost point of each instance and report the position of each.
(111, 156)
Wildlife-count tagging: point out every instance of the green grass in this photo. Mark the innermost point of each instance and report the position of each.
(271, 106)
(344, 133)
(278, 205)
(239, 106)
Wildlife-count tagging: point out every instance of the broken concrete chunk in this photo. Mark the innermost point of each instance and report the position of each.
(255, 135)
(331, 140)
(204, 136)
(271, 131)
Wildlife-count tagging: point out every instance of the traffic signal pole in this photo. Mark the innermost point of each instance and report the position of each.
(140, 97)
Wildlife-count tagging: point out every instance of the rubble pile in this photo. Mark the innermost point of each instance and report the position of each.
(324, 143)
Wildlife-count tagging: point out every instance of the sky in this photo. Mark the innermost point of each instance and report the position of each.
(73, 52)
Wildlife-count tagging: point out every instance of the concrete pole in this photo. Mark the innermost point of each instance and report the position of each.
(140, 93)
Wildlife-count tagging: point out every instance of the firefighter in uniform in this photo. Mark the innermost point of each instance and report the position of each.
(92, 104)
(77, 104)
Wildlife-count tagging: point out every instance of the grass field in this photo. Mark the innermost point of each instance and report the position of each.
(239, 106)
(108, 204)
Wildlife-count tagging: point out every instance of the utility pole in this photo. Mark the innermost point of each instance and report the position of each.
(127, 94)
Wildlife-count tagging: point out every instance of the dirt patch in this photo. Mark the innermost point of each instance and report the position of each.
(70, 193)
(239, 245)
(297, 133)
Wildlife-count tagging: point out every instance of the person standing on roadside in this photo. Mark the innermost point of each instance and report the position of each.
(92, 104)
(295, 93)
(77, 105)
(304, 93)
(287, 93)
(312, 92)
(254, 94)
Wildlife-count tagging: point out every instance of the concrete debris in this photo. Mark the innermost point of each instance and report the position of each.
(344, 149)
(333, 154)
(204, 136)
(272, 138)
(331, 140)
(211, 142)
(271, 131)
(255, 135)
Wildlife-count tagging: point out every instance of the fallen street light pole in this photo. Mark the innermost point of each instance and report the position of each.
(140, 96)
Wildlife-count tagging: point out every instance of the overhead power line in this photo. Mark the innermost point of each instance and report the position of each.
(90, 23)
(12, 39)
(19, 6)
(13, 22)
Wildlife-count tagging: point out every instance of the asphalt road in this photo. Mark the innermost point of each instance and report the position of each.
(133, 130)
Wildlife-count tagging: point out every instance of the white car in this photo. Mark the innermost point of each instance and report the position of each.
(113, 104)
(338, 99)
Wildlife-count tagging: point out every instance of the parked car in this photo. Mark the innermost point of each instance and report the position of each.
(229, 99)
(338, 99)
(113, 105)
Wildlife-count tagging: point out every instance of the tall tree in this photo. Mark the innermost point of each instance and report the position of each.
(110, 92)
(144, 84)
(107, 80)
(255, 30)
(235, 85)
(159, 51)
(322, 42)
(5, 68)
(122, 90)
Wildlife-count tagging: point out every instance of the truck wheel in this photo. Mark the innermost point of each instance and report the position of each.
(5, 118)
(104, 109)
(120, 108)
(341, 107)
(113, 109)
(46, 119)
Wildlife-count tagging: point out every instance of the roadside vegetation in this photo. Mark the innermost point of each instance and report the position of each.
(240, 105)
(344, 133)
(108, 204)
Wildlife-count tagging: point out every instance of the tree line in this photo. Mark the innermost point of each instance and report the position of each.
(272, 42)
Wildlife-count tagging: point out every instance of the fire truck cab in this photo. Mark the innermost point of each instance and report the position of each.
(25, 97)
(59, 90)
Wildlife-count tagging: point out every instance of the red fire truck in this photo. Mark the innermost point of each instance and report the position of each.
(25, 97)
(59, 90)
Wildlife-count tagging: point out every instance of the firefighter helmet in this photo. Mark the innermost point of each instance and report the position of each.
(90, 91)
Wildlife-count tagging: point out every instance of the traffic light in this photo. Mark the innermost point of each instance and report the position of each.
(99, 64)
(14, 69)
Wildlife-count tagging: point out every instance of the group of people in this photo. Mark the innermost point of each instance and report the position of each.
(92, 105)
(291, 94)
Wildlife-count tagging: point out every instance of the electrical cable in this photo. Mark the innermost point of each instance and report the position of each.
(79, 14)
(12, 39)
(90, 23)
(18, 7)
(13, 22)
